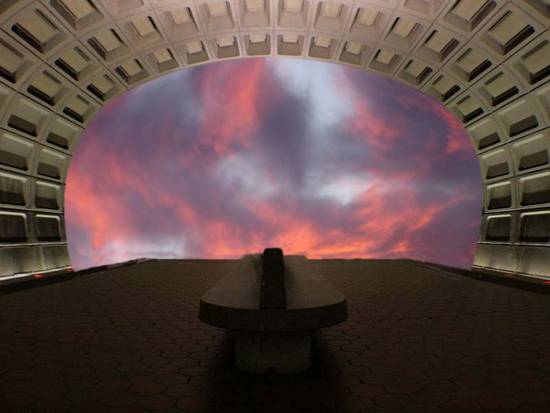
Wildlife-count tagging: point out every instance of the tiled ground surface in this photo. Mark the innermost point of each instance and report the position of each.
(128, 340)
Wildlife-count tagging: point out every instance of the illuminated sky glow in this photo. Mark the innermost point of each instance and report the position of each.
(319, 159)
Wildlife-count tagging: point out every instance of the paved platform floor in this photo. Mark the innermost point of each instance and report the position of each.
(417, 340)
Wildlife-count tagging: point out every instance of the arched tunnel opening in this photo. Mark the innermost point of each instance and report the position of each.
(225, 159)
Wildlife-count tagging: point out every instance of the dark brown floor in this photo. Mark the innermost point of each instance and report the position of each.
(417, 340)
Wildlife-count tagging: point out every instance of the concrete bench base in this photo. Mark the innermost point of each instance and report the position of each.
(282, 352)
(272, 303)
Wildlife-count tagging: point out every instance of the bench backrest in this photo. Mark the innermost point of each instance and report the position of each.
(273, 293)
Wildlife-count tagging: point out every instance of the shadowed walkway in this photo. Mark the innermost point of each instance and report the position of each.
(420, 340)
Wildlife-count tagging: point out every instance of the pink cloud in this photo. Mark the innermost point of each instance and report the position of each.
(232, 102)
(378, 131)
(110, 190)
(457, 137)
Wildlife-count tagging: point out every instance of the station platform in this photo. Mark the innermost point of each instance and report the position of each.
(418, 339)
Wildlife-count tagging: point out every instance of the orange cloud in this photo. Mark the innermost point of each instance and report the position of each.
(457, 138)
(377, 131)
(96, 214)
(231, 104)
(387, 218)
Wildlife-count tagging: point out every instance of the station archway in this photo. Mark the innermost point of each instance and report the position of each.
(487, 61)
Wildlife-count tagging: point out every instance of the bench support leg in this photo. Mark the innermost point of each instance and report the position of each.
(284, 352)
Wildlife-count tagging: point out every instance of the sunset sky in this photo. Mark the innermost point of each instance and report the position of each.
(319, 159)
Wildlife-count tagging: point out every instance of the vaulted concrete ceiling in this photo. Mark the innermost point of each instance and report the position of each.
(488, 61)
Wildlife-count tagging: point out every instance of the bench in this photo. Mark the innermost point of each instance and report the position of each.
(272, 303)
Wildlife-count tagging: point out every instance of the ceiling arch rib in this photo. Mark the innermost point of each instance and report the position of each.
(488, 61)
